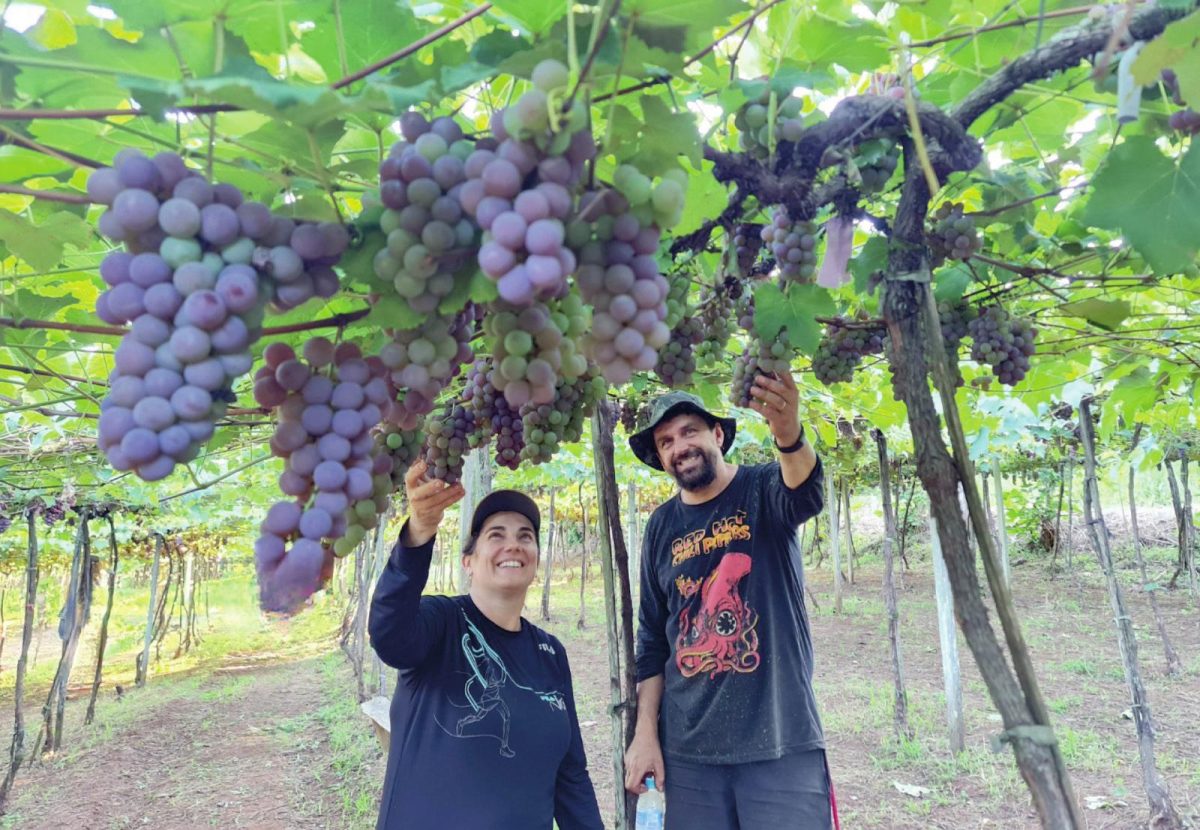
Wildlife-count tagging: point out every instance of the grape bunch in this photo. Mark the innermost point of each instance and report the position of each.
(877, 160)
(676, 360)
(842, 349)
(747, 243)
(678, 285)
(422, 361)
(619, 276)
(449, 436)
(1184, 121)
(401, 446)
(327, 402)
(743, 312)
(547, 426)
(653, 204)
(759, 358)
(199, 267)
(535, 347)
(519, 193)
(633, 414)
(429, 239)
(753, 120)
(1002, 342)
(793, 244)
(56, 511)
(716, 307)
(955, 317)
(953, 235)
(495, 417)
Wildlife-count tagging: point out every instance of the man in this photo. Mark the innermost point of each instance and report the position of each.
(727, 721)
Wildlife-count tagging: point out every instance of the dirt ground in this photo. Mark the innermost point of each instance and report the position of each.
(240, 748)
(199, 753)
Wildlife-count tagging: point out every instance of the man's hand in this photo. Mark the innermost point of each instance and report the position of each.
(427, 502)
(778, 401)
(644, 757)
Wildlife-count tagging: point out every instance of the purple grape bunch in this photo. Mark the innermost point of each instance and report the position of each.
(619, 276)
(677, 360)
(449, 436)
(536, 347)
(498, 421)
(422, 361)
(842, 349)
(328, 400)
(1003, 343)
(199, 267)
(429, 238)
(545, 427)
(793, 244)
(520, 191)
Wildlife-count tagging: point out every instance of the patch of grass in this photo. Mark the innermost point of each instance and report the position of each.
(353, 757)
(230, 689)
(1062, 705)
(1088, 750)
(1080, 666)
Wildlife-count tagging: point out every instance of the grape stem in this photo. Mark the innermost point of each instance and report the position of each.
(46, 195)
(335, 321)
(206, 484)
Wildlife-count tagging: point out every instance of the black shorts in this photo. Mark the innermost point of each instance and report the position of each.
(791, 793)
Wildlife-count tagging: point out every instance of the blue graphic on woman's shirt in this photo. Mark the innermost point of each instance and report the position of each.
(483, 691)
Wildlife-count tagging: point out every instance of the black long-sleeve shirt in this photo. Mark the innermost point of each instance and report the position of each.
(484, 730)
(722, 617)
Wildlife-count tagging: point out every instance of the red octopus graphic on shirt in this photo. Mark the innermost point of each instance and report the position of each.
(721, 636)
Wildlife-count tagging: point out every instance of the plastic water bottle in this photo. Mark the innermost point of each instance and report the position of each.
(651, 808)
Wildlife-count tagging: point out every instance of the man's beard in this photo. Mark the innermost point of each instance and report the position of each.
(700, 476)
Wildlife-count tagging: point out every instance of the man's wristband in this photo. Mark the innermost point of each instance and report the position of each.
(792, 447)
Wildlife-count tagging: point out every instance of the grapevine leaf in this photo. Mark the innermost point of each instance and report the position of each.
(1178, 48)
(855, 47)
(370, 30)
(392, 311)
(536, 16)
(1107, 314)
(951, 282)
(1151, 199)
(796, 311)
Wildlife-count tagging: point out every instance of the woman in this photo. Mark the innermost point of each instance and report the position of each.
(484, 730)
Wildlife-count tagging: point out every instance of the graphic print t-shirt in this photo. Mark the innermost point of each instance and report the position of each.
(722, 617)
(484, 728)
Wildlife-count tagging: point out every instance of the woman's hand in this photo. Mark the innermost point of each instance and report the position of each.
(427, 502)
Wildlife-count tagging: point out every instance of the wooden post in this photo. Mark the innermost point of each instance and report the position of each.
(900, 706)
(846, 521)
(1002, 526)
(1174, 668)
(831, 500)
(1162, 810)
(549, 561)
(143, 664)
(614, 560)
(948, 638)
(108, 606)
(17, 750)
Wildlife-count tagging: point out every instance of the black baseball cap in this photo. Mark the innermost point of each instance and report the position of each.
(666, 407)
(506, 501)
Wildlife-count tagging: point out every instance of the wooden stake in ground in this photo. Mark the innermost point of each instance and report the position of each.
(1162, 811)
(948, 639)
(108, 606)
(614, 566)
(900, 705)
(1174, 668)
(583, 547)
(831, 499)
(16, 754)
(143, 663)
(847, 519)
(549, 561)
(1002, 526)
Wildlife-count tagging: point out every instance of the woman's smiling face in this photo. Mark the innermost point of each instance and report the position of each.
(505, 555)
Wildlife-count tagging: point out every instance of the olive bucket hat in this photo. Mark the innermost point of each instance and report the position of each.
(668, 406)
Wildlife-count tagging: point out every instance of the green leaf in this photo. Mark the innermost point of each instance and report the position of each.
(1152, 200)
(855, 47)
(536, 16)
(950, 283)
(25, 304)
(796, 311)
(40, 247)
(871, 257)
(1107, 314)
(370, 30)
(1178, 48)
(664, 136)
(691, 14)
